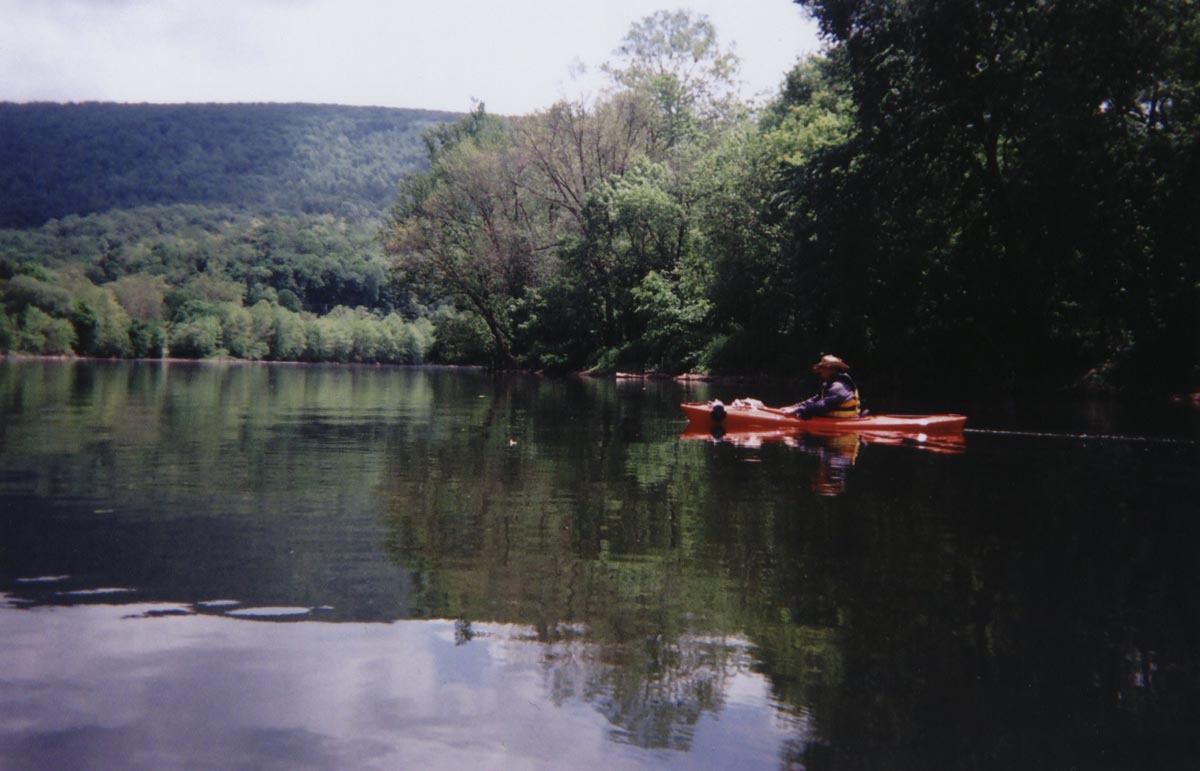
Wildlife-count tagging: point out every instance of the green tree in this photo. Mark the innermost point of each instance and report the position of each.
(571, 148)
(1017, 191)
(634, 225)
(101, 324)
(289, 300)
(240, 334)
(197, 338)
(43, 334)
(22, 291)
(330, 338)
(544, 225)
(767, 199)
(460, 338)
(87, 326)
(674, 58)
(289, 336)
(216, 289)
(147, 339)
(8, 333)
(262, 327)
(673, 321)
(467, 231)
(141, 295)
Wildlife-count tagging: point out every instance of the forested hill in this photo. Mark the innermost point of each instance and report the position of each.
(60, 159)
(206, 230)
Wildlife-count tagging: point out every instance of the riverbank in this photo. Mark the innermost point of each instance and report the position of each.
(875, 383)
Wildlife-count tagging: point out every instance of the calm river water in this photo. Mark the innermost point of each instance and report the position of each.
(243, 566)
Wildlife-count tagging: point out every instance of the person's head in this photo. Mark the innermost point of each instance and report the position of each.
(829, 365)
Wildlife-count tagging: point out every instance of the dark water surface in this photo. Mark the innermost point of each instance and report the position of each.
(223, 566)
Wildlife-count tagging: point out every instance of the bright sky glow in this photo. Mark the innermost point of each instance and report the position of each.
(515, 57)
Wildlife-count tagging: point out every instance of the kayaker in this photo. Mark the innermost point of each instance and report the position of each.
(838, 397)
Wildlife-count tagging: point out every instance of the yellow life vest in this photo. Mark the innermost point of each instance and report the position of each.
(847, 409)
(850, 407)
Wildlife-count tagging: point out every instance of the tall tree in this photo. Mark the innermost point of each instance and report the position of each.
(571, 148)
(674, 57)
(578, 157)
(769, 197)
(1023, 167)
(467, 230)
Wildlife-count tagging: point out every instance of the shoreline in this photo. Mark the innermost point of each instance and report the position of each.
(692, 378)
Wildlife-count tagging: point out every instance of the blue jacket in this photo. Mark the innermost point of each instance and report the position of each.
(838, 398)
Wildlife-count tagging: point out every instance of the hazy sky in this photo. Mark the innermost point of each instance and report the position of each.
(516, 57)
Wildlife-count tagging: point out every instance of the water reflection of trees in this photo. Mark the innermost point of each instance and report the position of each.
(606, 547)
(946, 627)
(613, 635)
(652, 692)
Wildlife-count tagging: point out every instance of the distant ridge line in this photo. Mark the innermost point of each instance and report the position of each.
(58, 159)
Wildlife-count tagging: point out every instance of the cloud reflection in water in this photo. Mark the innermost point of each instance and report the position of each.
(142, 686)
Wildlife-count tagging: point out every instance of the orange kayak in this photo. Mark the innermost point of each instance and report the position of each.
(749, 414)
(950, 444)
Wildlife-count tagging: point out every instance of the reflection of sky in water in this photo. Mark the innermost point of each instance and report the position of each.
(106, 686)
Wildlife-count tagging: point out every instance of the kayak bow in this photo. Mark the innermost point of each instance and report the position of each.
(746, 414)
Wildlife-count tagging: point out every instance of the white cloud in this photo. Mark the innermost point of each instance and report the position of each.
(515, 57)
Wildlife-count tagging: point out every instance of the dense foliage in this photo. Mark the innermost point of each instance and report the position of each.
(986, 194)
(573, 234)
(1020, 197)
(140, 314)
(258, 240)
(61, 159)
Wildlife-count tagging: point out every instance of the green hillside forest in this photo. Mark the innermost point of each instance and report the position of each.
(248, 231)
(977, 195)
(63, 159)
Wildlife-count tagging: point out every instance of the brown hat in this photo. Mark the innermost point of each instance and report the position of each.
(829, 360)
